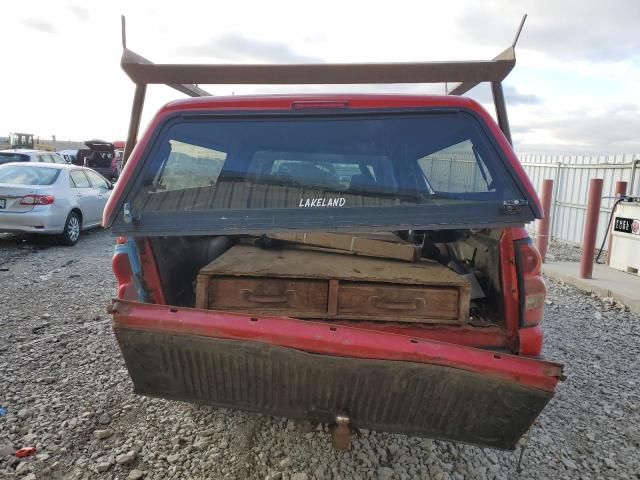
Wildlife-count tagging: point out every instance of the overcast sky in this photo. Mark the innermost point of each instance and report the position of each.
(574, 88)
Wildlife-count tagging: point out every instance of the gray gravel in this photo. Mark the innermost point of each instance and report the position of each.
(560, 251)
(68, 394)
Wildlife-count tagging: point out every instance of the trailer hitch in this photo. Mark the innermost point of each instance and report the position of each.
(341, 433)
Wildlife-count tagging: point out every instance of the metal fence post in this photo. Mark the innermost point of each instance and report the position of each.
(591, 228)
(632, 180)
(621, 190)
(557, 181)
(542, 238)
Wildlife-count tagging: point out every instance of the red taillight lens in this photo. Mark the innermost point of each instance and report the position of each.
(529, 259)
(535, 291)
(37, 200)
(531, 285)
(124, 277)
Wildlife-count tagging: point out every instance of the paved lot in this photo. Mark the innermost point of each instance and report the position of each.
(64, 385)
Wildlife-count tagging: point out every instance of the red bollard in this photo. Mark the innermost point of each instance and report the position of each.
(542, 238)
(621, 190)
(590, 228)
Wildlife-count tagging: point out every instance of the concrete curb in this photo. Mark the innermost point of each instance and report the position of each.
(606, 282)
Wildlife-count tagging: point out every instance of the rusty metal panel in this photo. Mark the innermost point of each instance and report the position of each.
(191, 90)
(141, 71)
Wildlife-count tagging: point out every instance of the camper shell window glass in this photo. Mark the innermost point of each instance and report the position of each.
(189, 166)
(457, 168)
(421, 163)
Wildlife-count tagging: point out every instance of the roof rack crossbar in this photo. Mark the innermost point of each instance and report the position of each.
(188, 88)
(141, 71)
(508, 55)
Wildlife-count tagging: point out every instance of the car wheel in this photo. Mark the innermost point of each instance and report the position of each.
(71, 232)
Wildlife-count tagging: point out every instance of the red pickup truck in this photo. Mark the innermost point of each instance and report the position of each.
(449, 350)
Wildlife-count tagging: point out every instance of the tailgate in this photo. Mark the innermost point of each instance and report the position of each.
(315, 371)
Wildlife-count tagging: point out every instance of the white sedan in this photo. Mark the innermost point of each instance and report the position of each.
(54, 199)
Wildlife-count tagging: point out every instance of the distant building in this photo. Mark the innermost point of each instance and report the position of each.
(21, 140)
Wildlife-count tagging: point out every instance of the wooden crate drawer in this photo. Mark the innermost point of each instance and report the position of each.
(401, 303)
(312, 284)
(293, 297)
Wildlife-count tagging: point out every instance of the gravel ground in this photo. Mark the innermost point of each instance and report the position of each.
(68, 394)
(560, 251)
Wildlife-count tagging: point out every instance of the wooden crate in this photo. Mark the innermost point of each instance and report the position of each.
(308, 283)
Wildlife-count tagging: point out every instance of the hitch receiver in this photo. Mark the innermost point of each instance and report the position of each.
(341, 434)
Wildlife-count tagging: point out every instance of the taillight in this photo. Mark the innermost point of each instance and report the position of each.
(122, 270)
(37, 200)
(531, 287)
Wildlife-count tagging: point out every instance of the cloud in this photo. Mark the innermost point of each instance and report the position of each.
(569, 30)
(39, 25)
(80, 12)
(238, 48)
(619, 108)
(608, 131)
(514, 97)
(616, 130)
(482, 94)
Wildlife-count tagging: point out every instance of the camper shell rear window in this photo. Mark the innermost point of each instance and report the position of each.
(235, 173)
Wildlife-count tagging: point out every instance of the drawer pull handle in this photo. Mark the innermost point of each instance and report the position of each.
(382, 304)
(249, 296)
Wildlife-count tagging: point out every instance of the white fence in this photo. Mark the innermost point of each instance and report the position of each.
(571, 176)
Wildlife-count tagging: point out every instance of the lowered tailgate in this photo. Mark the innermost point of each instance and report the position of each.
(315, 371)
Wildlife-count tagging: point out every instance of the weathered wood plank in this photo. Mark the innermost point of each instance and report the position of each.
(354, 244)
(248, 260)
(333, 297)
